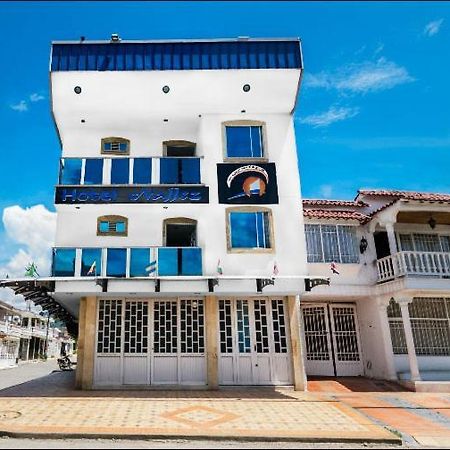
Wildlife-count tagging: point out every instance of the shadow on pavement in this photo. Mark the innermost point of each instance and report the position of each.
(61, 384)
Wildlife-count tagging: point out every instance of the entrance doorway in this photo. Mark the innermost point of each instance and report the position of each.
(151, 342)
(253, 342)
(180, 232)
(332, 339)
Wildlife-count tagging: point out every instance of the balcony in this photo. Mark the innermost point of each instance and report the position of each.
(413, 263)
(136, 262)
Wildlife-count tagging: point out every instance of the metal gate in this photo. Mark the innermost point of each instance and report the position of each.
(253, 342)
(332, 341)
(143, 342)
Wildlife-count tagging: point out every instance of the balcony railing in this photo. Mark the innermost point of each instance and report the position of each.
(406, 263)
(129, 171)
(135, 262)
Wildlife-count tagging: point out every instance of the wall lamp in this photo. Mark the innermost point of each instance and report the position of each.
(363, 245)
(432, 222)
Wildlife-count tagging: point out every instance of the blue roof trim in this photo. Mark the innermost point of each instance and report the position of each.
(276, 54)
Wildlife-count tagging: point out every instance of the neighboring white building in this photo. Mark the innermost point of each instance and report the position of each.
(387, 313)
(177, 210)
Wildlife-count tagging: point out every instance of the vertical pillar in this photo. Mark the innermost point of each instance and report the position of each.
(212, 323)
(298, 367)
(89, 342)
(391, 238)
(27, 354)
(412, 357)
(80, 343)
(391, 373)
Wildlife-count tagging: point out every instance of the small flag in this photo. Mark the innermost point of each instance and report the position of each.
(333, 268)
(31, 270)
(93, 269)
(219, 268)
(275, 269)
(151, 267)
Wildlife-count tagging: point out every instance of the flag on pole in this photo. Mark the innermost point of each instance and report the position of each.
(93, 269)
(219, 268)
(151, 268)
(333, 268)
(275, 269)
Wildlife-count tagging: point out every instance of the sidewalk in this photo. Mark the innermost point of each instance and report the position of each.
(289, 416)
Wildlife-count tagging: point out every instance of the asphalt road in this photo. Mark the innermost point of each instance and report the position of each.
(26, 372)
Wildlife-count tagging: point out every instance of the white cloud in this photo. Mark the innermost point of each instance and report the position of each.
(326, 190)
(334, 114)
(361, 78)
(433, 28)
(33, 228)
(21, 106)
(35, 97)
(7, 295)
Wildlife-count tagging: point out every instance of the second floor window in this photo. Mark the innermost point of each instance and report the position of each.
(120, 171)
(249, 230)
(331, 243)
(424, 242)
(93, 171)
(244, 141)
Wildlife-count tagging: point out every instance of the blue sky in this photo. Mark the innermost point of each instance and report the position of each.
(373, 110)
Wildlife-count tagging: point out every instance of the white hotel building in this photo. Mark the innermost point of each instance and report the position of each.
(184, 253)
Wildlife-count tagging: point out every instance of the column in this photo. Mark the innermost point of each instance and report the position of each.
(212, 324)
(90, 330)
(412, 357)
(80, 343)
(298, 367)
(391, 373)
(391, 237)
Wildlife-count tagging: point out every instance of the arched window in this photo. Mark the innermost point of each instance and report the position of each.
(179, 148)
(112, 226)
(244, 140)
(180, 232)
(115, 146)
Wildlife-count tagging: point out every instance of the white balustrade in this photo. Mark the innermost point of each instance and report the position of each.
(414, 263)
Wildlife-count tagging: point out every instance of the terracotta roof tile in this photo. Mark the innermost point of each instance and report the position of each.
(325, 202)
(407, 195)
(330, 214)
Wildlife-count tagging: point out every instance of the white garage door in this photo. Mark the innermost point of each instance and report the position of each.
(253, 342)
(157, 341)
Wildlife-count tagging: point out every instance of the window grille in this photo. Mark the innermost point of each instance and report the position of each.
(165, 323)
(136, 327)
(279, 326)
(243, 326)
(345, 334)
(112, 226)
(192, 337)
(115, 146)
(109, 337)
(316, 333)
(430, 323)
(331, 243)
(225, 326)
(424, 242)
(261, 326)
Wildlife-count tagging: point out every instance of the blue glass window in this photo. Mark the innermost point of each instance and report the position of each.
(70, 171)
(142, 171)
(93, 172)
(244, 142)
(63, 262)
(179, 170)
(139, 262)
(106, 226)
(120, 171)
(191, 261)
(250, 230)
(91, 262)
(167, 261)
(115, 147)
(116, 262)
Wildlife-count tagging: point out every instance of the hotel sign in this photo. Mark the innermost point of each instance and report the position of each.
(69, 195)
(247, 184)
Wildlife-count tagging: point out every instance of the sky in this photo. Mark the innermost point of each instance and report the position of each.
(373, 109)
